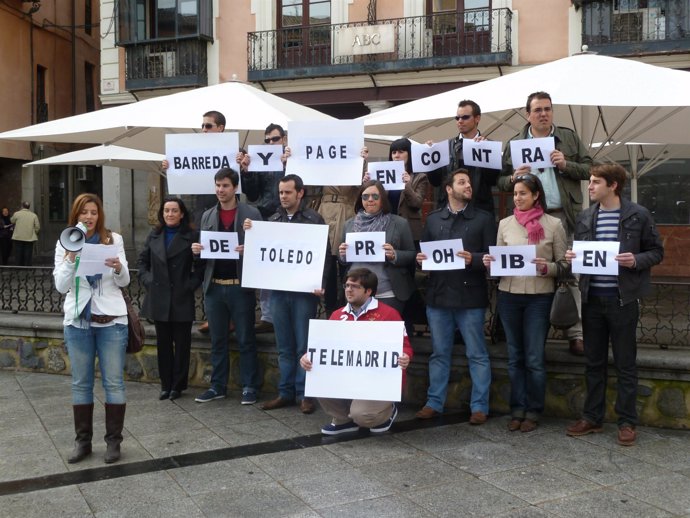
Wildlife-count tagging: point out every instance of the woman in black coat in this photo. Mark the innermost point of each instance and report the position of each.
(169, 272)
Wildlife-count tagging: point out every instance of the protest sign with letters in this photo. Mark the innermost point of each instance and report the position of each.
(365, 247)
(442, 255)
(534, 152)
(485, 153)
(326, 153)
(284, 256)
(429, 158)
(389, 174)
(218, 245)
(354, 360)
(264, 158)
(596, 257)
(195, 158)
(513, 260)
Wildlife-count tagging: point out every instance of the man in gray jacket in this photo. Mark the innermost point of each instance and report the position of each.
(224, 297)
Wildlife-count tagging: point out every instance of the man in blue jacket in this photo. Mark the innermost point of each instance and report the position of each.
(611, 303)
(459, 298)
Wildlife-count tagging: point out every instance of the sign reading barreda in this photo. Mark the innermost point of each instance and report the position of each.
(355, 360)
(283, 256)
(195, 158)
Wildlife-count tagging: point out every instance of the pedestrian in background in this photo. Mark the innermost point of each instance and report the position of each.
(6, 229)
(26, 228)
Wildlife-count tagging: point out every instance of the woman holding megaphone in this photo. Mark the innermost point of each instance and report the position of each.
(95, 325)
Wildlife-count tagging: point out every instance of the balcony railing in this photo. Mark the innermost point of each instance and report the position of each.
(462, 38)
(621, 28)
(166, 64)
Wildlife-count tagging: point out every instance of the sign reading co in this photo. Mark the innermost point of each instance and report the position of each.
(367, 39)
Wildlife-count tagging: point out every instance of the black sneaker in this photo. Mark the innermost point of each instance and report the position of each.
(386, 425)
(209, 395)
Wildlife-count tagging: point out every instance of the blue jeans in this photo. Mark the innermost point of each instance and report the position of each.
(83, 345)
(526, 322)
(470, 323)
(223, 304)
(603, 318)
(291, 314)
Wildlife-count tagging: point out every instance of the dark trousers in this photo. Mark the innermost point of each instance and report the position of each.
(604, 319)
(335, 296)
(174, 343)
(23, 252)
(5, 249)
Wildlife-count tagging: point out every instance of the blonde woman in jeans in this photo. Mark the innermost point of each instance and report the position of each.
(524, 303)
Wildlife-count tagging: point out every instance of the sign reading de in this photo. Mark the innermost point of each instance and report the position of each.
(218, 245)
(195, 158)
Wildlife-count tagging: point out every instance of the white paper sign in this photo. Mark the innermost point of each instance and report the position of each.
(429, 158)
(535, 152)
(326, 153)
(513, 260)
(354, 360)
(195, 158)
(92, 259)
(365, 247)
(596, 257)
(284, 256)
(485, 153)
(389, 174)
(264, 158)
(442, 255)
(219, 245)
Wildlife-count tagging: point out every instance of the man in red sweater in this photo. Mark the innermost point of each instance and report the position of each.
(349, 415)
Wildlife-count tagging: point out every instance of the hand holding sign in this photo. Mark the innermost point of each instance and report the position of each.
(365, 247)
(483, 153)
(512, 260)
(595, 257)
(535, 152)
(445, 254)
(390, 174)
(219, 245)
(264, 158)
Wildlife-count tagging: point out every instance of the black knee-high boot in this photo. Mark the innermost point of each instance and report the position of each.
(83, 427)
(114, 422)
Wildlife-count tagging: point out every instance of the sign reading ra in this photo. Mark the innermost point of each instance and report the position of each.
(535, 152)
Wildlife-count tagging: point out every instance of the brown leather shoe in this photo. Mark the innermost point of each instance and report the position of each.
(514, 425)
(427, 413)
(478, 418)
(577, 346)
(203, 327)
(278, 402)
(528, 426)
(583, 427)
(627, 435)
(307, 406)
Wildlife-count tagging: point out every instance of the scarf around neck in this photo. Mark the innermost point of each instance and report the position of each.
(530, 220)
(365, 222)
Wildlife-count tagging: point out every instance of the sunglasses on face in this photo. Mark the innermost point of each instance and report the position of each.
(272, 140)
(463, 117)
(207, 126)
(374, 197)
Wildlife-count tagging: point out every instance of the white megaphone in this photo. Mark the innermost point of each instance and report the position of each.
(72, 238)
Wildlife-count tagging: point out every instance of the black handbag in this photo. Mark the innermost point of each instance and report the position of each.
(564, 313)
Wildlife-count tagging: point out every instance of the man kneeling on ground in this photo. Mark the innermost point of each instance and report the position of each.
(349, 415)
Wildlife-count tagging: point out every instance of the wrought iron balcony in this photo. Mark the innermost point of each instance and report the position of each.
(624, 28)
(166, 64)
(462, 38)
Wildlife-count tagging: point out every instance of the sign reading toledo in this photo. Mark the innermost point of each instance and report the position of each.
(367, 39)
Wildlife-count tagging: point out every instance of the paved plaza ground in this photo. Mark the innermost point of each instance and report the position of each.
(184, 459)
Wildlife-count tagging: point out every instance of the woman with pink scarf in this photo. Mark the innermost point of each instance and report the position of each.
(524, 303)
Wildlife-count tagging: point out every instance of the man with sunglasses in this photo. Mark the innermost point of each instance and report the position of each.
(261, 190)
(467, 121)
(562, 183)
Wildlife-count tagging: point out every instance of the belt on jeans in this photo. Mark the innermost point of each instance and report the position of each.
(102, 319)
(226, 282)
(331, 198)
(553, 211)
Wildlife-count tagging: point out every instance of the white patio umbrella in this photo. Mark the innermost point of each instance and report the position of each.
(604, 99)
(142, 125)
(116, 156)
